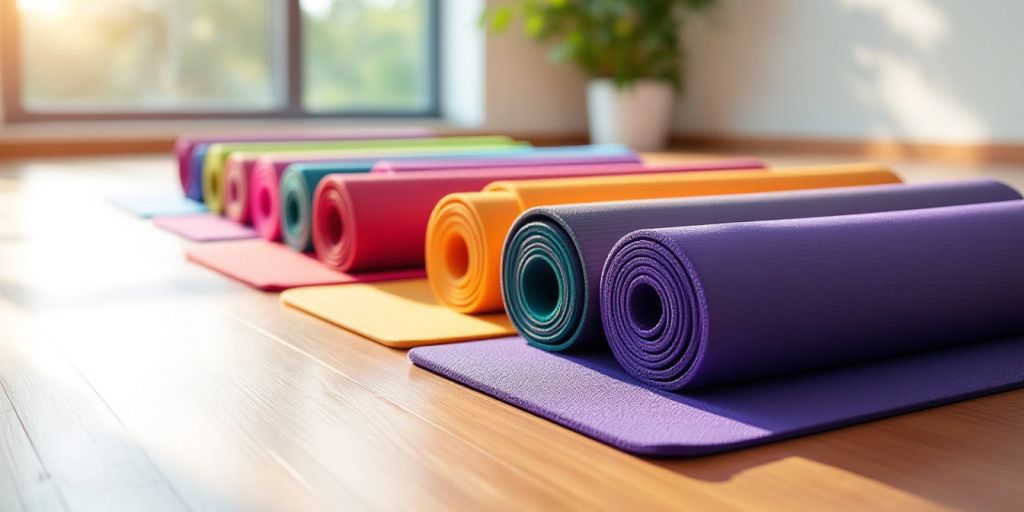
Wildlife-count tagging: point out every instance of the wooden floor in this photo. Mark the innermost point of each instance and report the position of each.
(133, 380)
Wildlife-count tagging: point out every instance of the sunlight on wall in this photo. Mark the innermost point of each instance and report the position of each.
(913, 70)
(917, 20)
(916, 104)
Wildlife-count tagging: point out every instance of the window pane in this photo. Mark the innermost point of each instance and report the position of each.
(132, 55)
(366, 55)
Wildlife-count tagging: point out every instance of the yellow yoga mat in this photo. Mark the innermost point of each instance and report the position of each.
(413, 317)
(406, 313)
(467, 230)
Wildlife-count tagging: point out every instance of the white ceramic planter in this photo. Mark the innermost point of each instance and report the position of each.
(638, 116)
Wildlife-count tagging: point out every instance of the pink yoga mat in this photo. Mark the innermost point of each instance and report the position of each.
(205, 228)
(270, 266)
(264, 183)
(378, 221)
(186, 144)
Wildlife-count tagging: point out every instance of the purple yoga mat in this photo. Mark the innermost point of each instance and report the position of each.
(591, 394)
(693, 307)
(857, 317)
(574, 241)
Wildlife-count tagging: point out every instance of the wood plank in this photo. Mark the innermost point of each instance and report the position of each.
(88, 455)
(25, 485)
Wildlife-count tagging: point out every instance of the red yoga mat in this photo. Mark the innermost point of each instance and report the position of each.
(272, 267)
(378, 221)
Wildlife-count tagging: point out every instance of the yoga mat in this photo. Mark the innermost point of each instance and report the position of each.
(378, 221)
(694, 307)
(217, 154)
(552, 258)
(205, 228)
(188, 147)
(466, 231)
(372, 312)
(273, 267)
(565, 155)
(591, 394)
(299, 182)
(355, 310)
(148, 206)
(265, 199)
(239, 168)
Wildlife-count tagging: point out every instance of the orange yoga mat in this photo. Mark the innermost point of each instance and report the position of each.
(467, 230)
(466, 234)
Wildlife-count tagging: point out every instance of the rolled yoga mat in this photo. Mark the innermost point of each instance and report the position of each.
(217, 154)
(467, 230)
(239, 168)
(552, 258)
(190, 150)
(897, 311)
(693, 307)
(379, 221)
(371, 309)
(265, 198)
(299, 182)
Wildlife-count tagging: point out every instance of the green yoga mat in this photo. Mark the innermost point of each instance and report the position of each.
(217, 154)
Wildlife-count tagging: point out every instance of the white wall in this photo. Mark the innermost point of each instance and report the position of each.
(918, 70)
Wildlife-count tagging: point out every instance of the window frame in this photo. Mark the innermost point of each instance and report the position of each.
(287, 27)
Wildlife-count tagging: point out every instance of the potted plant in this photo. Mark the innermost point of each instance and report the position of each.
(630, 49)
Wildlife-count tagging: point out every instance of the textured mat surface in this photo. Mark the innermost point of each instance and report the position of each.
(591, 394)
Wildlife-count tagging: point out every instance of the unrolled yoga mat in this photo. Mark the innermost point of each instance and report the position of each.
(148, 206)
(205, 228)
(591, 394)
(239, 168)
(467, 230)
(356, 311)
(299, 182)
(552, 258)
(702, 306)
(271, 266)
(217, 154)
(190, 150)
(378, 221)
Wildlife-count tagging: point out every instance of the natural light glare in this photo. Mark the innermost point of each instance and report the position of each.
(317, 8)
(43, 7)
(919, 107)
(917, 20)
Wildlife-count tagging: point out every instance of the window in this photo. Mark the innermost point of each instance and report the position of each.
(160, 59)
